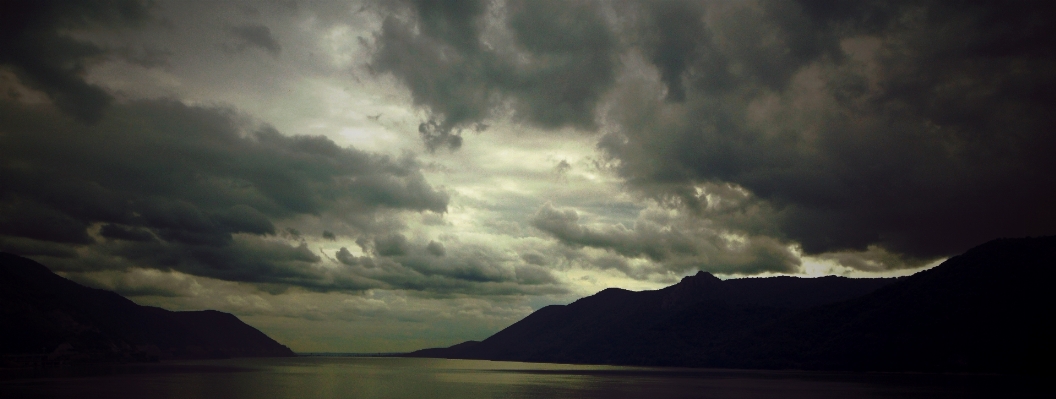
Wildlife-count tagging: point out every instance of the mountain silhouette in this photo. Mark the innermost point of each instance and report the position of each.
(43, 313)
(983, 311)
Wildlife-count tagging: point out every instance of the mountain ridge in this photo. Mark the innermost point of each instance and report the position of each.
(565, 333)
(981, 311)
(43, 313)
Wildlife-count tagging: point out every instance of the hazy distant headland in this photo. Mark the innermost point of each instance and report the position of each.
(48, 320)
(983, 311)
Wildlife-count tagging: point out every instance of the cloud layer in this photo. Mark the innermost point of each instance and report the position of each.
(915, 127)
(195, 189)
(673, 243)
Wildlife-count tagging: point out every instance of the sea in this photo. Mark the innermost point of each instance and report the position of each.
(397, 378)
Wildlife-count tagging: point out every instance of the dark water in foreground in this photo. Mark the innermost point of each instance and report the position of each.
(328, 377)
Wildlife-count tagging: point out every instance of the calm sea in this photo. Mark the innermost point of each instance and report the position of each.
(360, 377)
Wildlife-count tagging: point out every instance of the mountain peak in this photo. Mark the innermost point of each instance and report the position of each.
(692, 289)
(702, 275)
(702, 279)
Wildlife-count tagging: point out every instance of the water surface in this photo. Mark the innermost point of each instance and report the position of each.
(360, 377)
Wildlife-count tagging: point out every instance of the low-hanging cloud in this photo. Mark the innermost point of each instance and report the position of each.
(676, 244)
(254, 36)
(396, 263)
(161, 184)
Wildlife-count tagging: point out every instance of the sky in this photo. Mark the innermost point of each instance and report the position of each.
(383, 176)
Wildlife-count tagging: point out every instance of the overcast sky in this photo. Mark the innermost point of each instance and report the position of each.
(388, 176)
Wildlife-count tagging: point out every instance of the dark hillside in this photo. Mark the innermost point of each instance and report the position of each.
(43, 313)
(655, 327)
(984, 311)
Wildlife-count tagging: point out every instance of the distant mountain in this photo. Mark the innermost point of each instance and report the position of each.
(987, 310)
(984, 311)
(43, 313)
(650, 327)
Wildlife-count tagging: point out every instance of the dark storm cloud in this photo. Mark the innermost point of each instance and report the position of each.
(918, 128)
(432, 269)
(392, 245)
(147, 57)
(564, 225)
(119, 232)
(555, 64)
(922, 128)
(250, 259)
(674, 41)
(254, 36)
(436, 249)
(140, 282)
(35, 43)
(165, 185)
(32, 247)
(26, 219)
(677, 247)
(345, 257)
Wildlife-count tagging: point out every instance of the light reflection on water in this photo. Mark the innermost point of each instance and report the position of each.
(358, 377)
